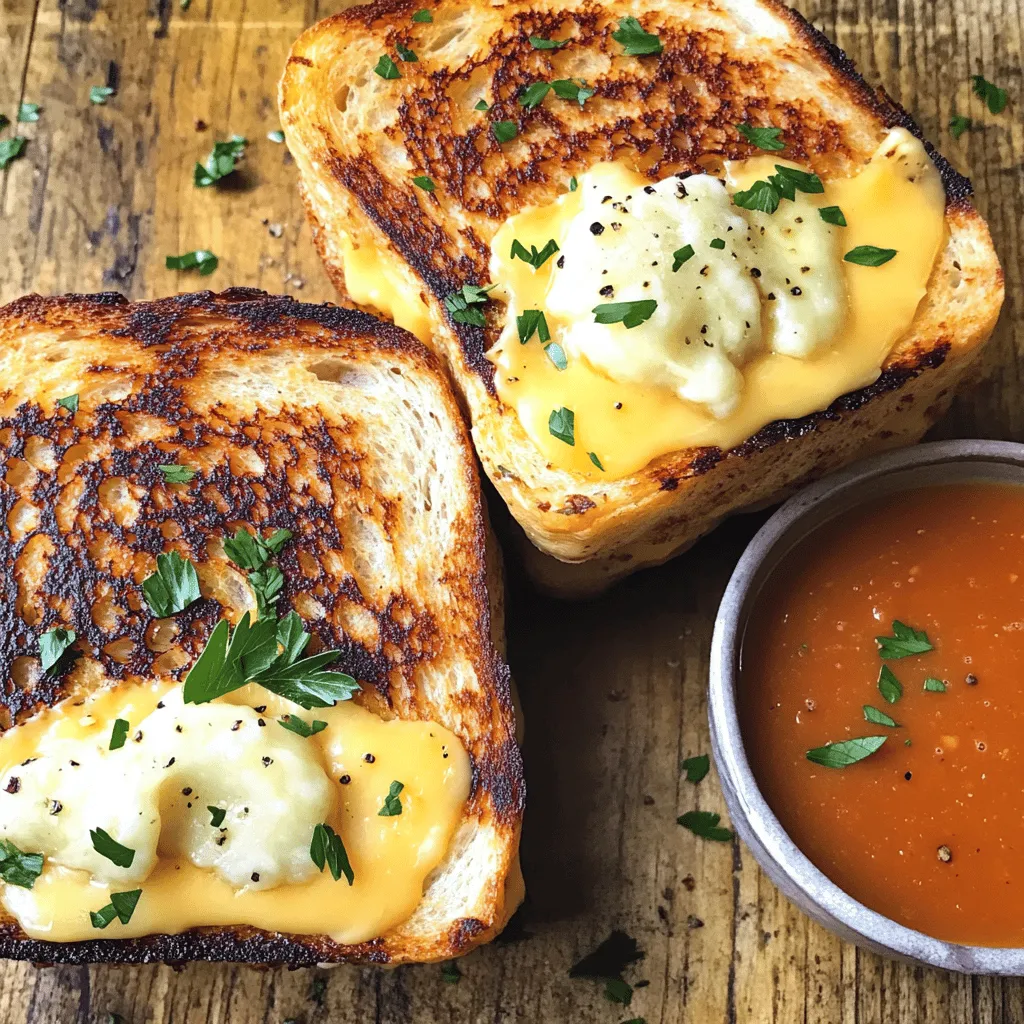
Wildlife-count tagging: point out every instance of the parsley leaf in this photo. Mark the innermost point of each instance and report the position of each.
(53, 645)
(556, 354)
(905, 641)
(28, 112)
(17, 867)
(800, 181)
(425, 183)
(994, 97)
(392, 805)
(958, 124)
(122, 905)
(217, 815)
(386, 67)
(696, 768)
(562, 424)
(173, 587)
(704, 825)
(175, 474)
(481, 105)
(717, 243)
(450, 972)
(540, 43)
(888, 685)
(505, 131)
(869, 256)
(876, 717)
(252, 551)
(762, 196)
(832, 215)
(569, 89)
(199, 259)
(764, 138)
(106, 846)
(616, 990)
(595, 460)
(266, 584)
(99, 94)
(460, 303)
(530, 321)
(220, 163)
(10, 149)
(533, 95)
(535, 257)
(327, 848)
(296, 725)
(607, 963)
(630, 314)
(423, 15)
(573, 184)
(118, 734)
(680, 256)
(933, 685)
(70, 403)
(846, 752)
(406, 54)
(634, 40)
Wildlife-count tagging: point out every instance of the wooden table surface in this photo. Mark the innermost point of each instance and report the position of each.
(613, 690)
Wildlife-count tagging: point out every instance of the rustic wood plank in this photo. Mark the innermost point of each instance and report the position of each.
(613, 690)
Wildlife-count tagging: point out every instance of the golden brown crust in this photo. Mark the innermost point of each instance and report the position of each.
(233, 385)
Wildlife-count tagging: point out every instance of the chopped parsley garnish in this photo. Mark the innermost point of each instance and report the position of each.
(252, 551)
(933, 685)
(904, 642)
(704, 825)
(846, 752)
(217, 815)
(220, 163)
(122, 906)
(482, 105)
(958, 124)
(249, 654)
(680, 256)
(572, 89)
(17, 867)
(556, 354)
(994, 97)
(608, 962)
(296, 725)
(618, 991)
(28, 112)
(70, 403)
(276, 135)
(425, 183)
(876, 717)
(888, 685)
(767, 139)
(406, 54)
(762, 196)
(562, 424)
(118, 734)
(450, 972)
(869, 256)
(630, 314)
(392, 805)
(327, 848)
(595, 460)
(532, 321)
(634, 40)
(173, 587)
(573, 184)
(10, 149)
(696, 768)
(533, 95)
(175, 474)
(386, 67)
(460, 304)
(717, 243)
(54, 644)
(266, 585)
(535, 257)
(199, 259)
(832, 215)
(107, 846)
(504, 131)
(790, 180)
(99, 94)
(423, 15)
(540, 43)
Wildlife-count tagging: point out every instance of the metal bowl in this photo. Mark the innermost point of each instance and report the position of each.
(944, 462)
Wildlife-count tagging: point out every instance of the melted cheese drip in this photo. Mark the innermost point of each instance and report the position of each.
(896, 201)
(391, 857)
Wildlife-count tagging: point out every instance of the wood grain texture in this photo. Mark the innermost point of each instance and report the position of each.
(613, 690)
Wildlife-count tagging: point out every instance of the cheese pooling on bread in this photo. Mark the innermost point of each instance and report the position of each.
(692, 311)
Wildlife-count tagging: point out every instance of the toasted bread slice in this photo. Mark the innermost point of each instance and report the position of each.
(359, 139)
(320, 420)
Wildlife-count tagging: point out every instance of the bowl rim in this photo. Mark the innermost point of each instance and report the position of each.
(767, 838)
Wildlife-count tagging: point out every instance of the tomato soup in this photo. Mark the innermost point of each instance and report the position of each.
(897, 764)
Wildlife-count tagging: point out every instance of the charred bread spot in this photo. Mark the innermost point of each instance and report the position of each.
(576, 505)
